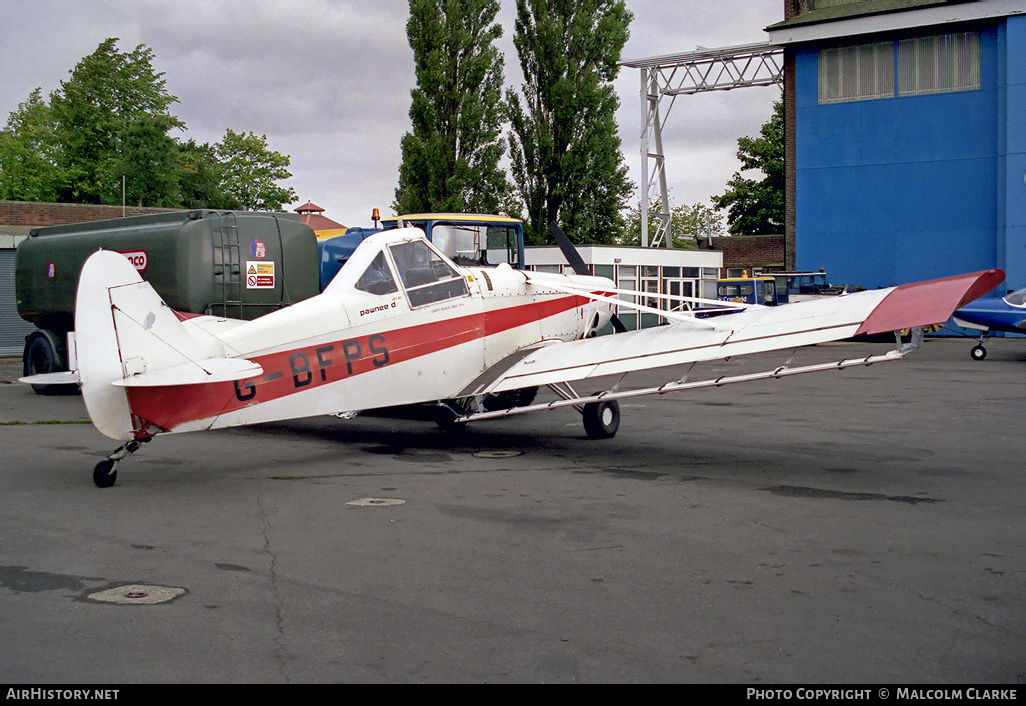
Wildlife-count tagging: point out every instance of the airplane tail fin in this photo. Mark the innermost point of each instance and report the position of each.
(126, 335)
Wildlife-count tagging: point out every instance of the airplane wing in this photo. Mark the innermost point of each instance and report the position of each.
(751, 331)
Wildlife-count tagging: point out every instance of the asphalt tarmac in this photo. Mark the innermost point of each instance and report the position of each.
(856, 526)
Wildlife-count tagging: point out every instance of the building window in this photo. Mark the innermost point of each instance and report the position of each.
(709, 277)
(935, 64)
(627, 278)
(855, 73)
(939, 64)
(650, 284)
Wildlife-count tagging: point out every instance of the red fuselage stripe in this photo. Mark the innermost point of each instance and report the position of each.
(289, 372)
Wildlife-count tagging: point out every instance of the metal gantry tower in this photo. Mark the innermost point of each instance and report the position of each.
(674, 75)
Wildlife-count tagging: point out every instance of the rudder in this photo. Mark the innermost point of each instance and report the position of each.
(123, 328)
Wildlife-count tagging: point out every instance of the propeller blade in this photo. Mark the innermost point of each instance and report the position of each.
(569, 251)
(577, 263)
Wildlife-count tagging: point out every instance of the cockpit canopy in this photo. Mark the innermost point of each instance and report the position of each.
(425, 276)
(1017, 298)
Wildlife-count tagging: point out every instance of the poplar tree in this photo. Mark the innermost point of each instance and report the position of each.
(450, 158)
(564, 147)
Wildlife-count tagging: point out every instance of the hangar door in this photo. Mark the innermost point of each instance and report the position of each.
(13, 328)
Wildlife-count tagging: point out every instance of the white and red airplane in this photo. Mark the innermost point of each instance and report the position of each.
(402, 324)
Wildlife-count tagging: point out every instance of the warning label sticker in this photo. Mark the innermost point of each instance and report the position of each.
(259, 275)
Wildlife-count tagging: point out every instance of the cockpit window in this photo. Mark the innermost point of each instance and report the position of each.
(377, 279)
(426, 277)
(1017, 298)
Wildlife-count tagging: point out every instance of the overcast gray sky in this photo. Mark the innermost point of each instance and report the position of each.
(328, 81)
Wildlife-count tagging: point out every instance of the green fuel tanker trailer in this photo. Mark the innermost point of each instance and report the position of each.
(238, 264)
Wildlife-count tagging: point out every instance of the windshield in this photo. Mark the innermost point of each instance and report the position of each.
(426, 277)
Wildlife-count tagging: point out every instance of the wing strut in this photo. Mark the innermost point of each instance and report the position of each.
(570, 399)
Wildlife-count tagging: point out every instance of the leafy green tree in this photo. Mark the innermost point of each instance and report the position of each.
(250, 172)
(451, 156)
(200, 178)
(29, 153)
(756, 206)
(109, 125)
(564, 147)
(686, 223)
(150, 162)
(108, 92)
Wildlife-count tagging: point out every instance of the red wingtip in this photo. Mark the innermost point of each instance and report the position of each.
(929, 302)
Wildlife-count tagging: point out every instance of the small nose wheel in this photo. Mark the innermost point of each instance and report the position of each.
(977, 352)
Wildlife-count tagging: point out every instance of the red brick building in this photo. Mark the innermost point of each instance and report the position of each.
(756, 253)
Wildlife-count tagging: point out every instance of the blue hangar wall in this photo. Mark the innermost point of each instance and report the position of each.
(901, 188)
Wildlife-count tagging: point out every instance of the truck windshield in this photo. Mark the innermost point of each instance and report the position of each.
(477, 244)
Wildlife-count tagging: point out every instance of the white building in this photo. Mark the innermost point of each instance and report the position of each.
(675, 272)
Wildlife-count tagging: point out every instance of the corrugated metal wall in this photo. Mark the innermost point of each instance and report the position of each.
(13, 328)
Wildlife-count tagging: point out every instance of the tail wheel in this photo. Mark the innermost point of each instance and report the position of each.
(602, 419)
(105, 474)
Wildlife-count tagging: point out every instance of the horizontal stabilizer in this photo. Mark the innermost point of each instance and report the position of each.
(196, 373)
(65, 378)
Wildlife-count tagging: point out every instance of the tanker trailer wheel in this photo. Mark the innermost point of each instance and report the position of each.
(40, 358)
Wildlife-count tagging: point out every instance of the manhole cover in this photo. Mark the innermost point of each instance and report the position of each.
(376, 502)
(498, 454)
(137, 594)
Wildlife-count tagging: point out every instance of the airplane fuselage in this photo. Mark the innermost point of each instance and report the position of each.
(356, 347)
(1006, 314)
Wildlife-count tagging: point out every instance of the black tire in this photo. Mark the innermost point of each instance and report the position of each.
(977, 352)
(40, 358)
(510, 398)
(602, 419)
(105, 474)
(445, 419)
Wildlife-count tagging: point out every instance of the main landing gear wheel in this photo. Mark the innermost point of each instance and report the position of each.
(602, 419)
(445, 419)
(105, 473)
(977, 352)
